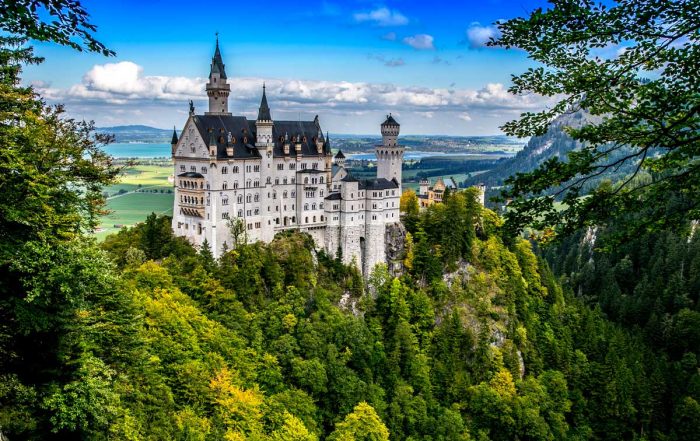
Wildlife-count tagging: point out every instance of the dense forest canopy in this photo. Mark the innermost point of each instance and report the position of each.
(145, 337)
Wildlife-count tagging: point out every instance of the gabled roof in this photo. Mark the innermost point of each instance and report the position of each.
(243, 132)
(174, 140)
(340, 155)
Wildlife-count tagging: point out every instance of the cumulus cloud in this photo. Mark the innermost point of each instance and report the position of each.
(117, 91)
(420, 42)
(381, 17)
(478, 36)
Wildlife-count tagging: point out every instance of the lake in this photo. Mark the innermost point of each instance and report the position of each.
(138, 150)
(146, 150)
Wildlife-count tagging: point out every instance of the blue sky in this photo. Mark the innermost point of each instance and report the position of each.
(350, 62)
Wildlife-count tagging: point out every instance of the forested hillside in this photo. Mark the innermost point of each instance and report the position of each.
(476, 341)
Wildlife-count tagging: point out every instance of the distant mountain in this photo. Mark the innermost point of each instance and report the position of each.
(138, 133)
(554, 143)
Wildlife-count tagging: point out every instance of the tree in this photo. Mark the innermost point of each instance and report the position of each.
(410, 208)
(69, 21)
(642, 108)
(363, 424)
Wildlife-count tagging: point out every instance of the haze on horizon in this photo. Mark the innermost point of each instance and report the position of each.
(350, 62)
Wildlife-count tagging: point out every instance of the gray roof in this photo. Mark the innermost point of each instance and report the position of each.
(378, 184)
(334, 197)
(214, 129)
(340, 155)
(264, 110)
(390, 121)
(174, 140)
(217, 63)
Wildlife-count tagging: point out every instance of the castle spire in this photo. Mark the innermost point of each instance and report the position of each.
(217, 63)
(174, 140)
(264, 110)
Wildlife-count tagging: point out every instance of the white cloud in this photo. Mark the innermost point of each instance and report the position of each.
(478, 36)
(115, 92)
(382, 17)
(420, 42)
(391, 36)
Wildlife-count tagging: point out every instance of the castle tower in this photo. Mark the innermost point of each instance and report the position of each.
(339, 159)
(423, 188)
(173, 142)
(264, 143)
(217, 87)
(264, 122)
(390, 154)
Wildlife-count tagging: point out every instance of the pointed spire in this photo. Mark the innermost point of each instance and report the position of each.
(174, 141)
(264, 111)
(217, 63)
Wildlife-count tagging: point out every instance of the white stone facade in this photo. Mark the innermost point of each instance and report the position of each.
(279, 175)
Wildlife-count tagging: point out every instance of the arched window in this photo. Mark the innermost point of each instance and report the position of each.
(321, 179)
(249, 198)
(306, 207)
(240, 213)
(235, 184)
(257, 197)
(224, 170)
(306, 180)
(225, 185)
(240, 198)
(313, 206)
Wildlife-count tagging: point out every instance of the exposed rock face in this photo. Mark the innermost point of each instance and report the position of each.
(395, 238)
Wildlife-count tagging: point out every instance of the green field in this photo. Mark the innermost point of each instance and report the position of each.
(144, 189)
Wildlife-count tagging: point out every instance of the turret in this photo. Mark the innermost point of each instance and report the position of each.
(264, 122)
(173, 143)
(423, 188)
(339, 159)
(390, 154)
(217, 88)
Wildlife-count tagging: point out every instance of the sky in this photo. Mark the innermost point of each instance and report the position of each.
(350, 62)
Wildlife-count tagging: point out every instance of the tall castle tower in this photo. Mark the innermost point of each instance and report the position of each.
(217, 87)
(390, 154)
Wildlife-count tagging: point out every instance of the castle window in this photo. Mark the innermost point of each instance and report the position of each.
(256, 184)
(248, 183)
(284, 195)
(224, 215)
(294, 193)
(193, 168)
(224, 170)
(247, 168)
(314, 166)
(306, 207)
(321, 179)
(182, 168)
(256, 197)
(240, 213)
(224, 200)
(269, 180)
(277, 181)
(313, 206)
(306, 180)
(320, 206)
(225, 186)
(274, 195)
(240, 198)
(257, 211)
(303, 166)
(321, 193)
(207, 186)
(204, 170)
(314, 218)
(284, 181)
(256, 168)
(249, 198)
(235, 185)
(294, 180)
(235, 169)
(292, 166)
(280, 166)
(248, 213)
(321, 218)
(306, 220)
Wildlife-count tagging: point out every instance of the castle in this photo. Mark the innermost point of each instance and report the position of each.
(272, 176)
